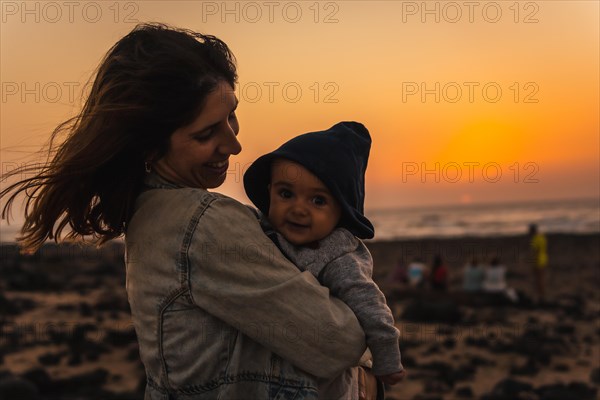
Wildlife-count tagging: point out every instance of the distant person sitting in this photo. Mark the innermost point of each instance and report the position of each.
(439, 275)
(473, 277)
(539, 259)
(398, 274)
(494, 281)
(494, 277)
(416, 273)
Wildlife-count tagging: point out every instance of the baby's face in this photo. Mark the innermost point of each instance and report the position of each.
(301, 207)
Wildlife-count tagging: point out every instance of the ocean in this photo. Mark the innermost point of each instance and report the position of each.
(502, 219)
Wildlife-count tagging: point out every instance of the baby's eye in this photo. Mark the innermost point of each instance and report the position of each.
(286, 194)
(319, 200)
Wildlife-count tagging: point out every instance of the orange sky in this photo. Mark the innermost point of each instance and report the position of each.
(517, 84)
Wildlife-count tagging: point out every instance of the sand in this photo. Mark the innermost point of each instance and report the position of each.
(66, 330)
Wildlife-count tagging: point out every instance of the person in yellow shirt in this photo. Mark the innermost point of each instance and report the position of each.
(539, 259)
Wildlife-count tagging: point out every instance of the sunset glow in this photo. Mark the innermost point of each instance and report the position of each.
(516, 91)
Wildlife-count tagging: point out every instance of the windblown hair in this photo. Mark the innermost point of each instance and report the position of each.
(150, 83)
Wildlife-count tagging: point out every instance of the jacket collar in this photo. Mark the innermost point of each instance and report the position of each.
(152, 180)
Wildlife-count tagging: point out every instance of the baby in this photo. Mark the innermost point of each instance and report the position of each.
(310, 193)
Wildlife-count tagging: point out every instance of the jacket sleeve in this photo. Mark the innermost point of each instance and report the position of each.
(238, 275)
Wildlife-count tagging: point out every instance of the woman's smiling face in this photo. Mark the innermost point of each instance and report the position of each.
(198, 154)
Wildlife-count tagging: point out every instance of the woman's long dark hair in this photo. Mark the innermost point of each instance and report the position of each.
(150, 83)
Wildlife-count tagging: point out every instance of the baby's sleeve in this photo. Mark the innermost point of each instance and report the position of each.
(349, 278)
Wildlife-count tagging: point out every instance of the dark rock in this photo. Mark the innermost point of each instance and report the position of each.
(477, 342)
(31, 278)
(595, 376)
(50, 358)
(409, 343)
(92, 355)
(572, 391)
(85, 349)
(562, 368)
(435, 386)
(446, 312)
(17, 388)
(85, 310)
(463, 372)
(106, 269)
(86, 382)
(536, 342)
(428, 397)
(65, 307)
(508, 389)
(12, 336)
(477, 361)
(41, 380)
(565, 329)
(15, 306)
(464, 392)
(141, 386)
(524, 301)
(134, 354)
(446, 374)
(445, 330)
(572, 305)
(8, 307)
(84, 386)
(74, 359)
(449, 343)
(120, 338)
(437, 366)
(407, 361)
(113, 302)
(433, 349)
(530, 368)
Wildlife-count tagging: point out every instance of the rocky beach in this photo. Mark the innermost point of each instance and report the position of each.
(67, 334)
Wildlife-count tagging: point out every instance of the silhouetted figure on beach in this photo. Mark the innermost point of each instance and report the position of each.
(438, 278)
(494, 276)
(494, 281)
(538, 260)
(417, 273)
(473, 277)
(398, 275)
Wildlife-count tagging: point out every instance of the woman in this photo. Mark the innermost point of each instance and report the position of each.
(218, 311)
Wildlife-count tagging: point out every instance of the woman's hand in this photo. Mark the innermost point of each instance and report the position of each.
(392, 379)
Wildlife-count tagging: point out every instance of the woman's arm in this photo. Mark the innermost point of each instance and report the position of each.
(239, 276)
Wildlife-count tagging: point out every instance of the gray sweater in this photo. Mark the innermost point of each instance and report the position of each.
(343, 264)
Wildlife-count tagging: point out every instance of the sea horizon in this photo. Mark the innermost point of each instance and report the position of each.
(509, 218)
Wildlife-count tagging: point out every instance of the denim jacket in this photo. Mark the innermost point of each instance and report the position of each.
(218, 311)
